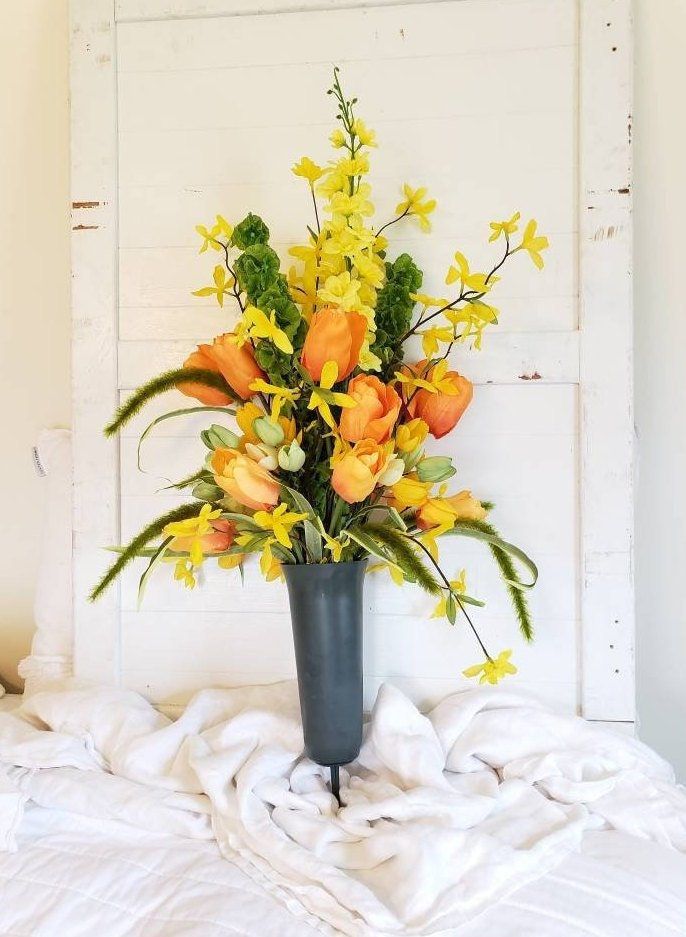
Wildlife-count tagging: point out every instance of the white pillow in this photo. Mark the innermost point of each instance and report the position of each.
(52, 647)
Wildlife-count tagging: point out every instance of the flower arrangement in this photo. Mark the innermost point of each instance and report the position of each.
(326, 461)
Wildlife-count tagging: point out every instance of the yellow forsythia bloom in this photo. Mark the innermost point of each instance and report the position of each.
(492, 670)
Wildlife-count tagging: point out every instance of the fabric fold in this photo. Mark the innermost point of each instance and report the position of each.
(444, 812)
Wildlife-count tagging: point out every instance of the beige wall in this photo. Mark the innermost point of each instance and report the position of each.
(34, 287)
(34, 329)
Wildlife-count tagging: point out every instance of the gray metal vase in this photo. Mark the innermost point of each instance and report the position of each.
(326, 614)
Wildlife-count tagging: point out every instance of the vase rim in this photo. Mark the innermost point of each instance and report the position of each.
(290, 567)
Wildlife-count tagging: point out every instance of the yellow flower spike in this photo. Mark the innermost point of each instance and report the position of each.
(429, 301)
(280, 521)
(274, 390)
(411, 435)
(259, 325)
(366, 136)
(341, 291)
(430, 537)
(337, 139)
(270, 567)
(357, 203)
(209, 237)
(196, 528)
(183, 572)
(353, 166)
(414, 383)
(245, 417)
(395, 572)
(308, 169)
(368, 360)
(335, 546)
(433, 336)
(435, 381)
(334, 181)
(369, 270)
(231, 561)
(318, 402)
(474, 282)
(492, 670)
(504, 227)
(444, 511)
(533, 244)
(413, 206)
(225, 227)
(459, 586)
(409, 492)
(222, 285)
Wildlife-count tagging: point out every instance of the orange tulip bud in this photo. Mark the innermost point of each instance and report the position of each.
(437, 512)
(441, 411)
(375, 415)
(236, 363)
(244, 480)
(333, 335)
(220, 539)
(357, 471)
(210, 396)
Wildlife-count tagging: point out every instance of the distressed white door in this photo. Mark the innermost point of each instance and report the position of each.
(182, 109)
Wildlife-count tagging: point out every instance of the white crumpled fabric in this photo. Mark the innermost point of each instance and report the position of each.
(444, 813)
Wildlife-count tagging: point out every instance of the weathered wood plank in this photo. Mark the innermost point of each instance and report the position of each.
(607, 607)
(94, 323)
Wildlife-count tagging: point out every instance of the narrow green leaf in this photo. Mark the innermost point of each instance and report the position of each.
(153, 530)
(160, 385)
(155, 559)
(488, 535)
(451, 608)
(183, 411)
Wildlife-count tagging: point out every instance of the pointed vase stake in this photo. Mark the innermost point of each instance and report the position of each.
(335, 783)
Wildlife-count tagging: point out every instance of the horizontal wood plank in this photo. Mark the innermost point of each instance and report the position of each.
(543, 357)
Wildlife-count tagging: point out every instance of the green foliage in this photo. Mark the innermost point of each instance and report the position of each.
(276, 298)
(257, 269)
(404, 556)
(503, 553)
(140, 541)
(159, 385)
(277, 365)
(394, 307)
(252, 230)
(185, 411)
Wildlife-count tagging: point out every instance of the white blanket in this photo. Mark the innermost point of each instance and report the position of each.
(444, 813)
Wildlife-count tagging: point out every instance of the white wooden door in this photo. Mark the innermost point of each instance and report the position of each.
(186, 108)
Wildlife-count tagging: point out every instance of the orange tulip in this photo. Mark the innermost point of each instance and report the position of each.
(333, 335)
(375, 415)
(437, 512)
(356, 473)
(244, 480)
(236, 363)
(441, 411)
(208, 395)
(219, 540)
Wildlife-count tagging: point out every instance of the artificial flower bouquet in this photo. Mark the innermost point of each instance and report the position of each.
(325, 460)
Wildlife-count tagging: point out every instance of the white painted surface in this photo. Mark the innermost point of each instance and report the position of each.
(94, 323)
(189, 146)
(660, 394)
(35, 125)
